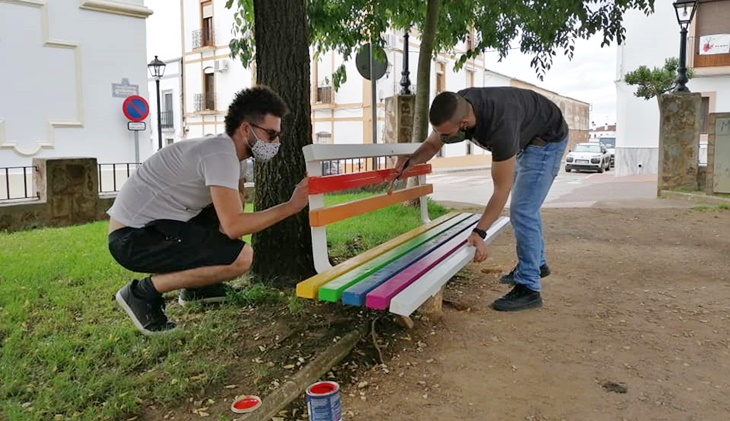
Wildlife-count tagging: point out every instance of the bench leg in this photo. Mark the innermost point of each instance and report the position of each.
(406, 322)
(433, 308)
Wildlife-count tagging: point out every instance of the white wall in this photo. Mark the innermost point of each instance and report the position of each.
(98, 48)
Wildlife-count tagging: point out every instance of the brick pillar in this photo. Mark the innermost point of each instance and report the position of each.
(679, 141)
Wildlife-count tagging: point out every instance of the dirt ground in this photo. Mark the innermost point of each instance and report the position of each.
(635, 326)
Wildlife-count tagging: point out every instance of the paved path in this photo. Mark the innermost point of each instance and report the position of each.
(473, 188)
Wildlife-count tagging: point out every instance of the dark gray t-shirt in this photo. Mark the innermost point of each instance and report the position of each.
(174, 183)
(509, 118)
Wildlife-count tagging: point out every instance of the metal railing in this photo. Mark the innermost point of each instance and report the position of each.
(354, 165)
(16, 180)
(120, 172)
(167, 120)
(204, 102)
(203, 38)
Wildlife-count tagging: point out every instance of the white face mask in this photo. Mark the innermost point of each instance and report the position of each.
(263, 151)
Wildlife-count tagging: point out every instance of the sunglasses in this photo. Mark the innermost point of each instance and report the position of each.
(271, 134)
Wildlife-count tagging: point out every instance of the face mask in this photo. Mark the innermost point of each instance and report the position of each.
(458, 136)
(263, 151)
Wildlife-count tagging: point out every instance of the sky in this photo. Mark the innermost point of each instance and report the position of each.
(588, 77)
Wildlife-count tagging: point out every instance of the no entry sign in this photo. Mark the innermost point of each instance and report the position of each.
(135, 108)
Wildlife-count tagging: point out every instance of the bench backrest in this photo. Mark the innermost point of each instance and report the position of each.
(319, 184)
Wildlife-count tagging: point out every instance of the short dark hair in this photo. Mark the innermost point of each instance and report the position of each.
(444, 108)
(251, 105)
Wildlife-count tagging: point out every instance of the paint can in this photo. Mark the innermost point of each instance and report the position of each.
(245, 404)
(323, 401)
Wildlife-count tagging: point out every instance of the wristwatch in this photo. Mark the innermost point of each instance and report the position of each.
(480, 233)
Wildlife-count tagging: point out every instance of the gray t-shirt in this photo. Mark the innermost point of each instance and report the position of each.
(175, 182)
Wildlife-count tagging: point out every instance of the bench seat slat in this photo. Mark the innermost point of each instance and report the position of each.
(330, 214)
(379, 298)
(332, 291)
(355, 295)
(339, 182)
(408, 300)
(309, 287)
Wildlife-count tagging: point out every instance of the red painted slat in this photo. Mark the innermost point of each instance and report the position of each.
(339, 182)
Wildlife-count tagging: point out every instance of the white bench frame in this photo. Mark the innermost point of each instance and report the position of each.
(314, 155)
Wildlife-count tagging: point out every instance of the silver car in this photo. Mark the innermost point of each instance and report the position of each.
(589, 157)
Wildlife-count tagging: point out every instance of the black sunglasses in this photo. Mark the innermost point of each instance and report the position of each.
(272, 134)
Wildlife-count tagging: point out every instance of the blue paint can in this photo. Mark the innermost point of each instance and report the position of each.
(323, 402)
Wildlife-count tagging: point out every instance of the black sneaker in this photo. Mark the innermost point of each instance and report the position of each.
(520, 298)
(148, 315)
(510, 277)
(211, 294)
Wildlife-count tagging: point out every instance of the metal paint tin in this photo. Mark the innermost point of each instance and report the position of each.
(323, 402)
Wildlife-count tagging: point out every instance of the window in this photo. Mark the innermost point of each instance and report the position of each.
(169, 141)
(440, 77)
(206, 12)
(711, 18)
(166, 110)
(209, 91)
(705, 115)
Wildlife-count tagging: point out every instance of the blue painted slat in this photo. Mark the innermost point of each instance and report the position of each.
(355, 295)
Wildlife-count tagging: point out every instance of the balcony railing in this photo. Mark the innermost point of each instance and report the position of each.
(324, 94)
(167, 120)
(204, 102)
(203, 38)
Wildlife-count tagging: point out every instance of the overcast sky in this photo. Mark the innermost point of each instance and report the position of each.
(589, 77)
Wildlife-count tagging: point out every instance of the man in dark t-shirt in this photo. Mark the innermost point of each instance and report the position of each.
(527, 135)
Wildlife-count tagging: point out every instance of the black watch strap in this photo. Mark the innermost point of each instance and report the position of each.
(480, 232)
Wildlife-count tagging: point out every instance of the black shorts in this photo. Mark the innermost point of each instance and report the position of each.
(166, 246)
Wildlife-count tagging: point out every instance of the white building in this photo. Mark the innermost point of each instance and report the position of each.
(607, 130)
(649, 41)
(67, 67)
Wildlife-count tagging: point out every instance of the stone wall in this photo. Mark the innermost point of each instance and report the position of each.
(679, 140)
(69, 195)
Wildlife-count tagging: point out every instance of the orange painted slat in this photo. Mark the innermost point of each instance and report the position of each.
(328, 215)
(333, 183)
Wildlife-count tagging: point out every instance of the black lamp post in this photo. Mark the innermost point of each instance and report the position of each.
(685, 10)
(157, 70)
(405, 81)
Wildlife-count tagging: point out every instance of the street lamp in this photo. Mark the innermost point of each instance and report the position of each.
(157, 70)
(685, 10)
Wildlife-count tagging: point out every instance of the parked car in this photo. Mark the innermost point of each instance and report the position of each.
(330, 168)
(588, 156)
(610, 144)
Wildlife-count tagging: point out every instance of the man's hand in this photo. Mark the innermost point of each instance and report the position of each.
(300, 197)
(401, 165)
(482, 251)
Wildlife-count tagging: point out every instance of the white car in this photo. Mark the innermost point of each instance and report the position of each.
(588, 156)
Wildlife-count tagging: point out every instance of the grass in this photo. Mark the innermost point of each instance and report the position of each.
(68, 353)
(720, 207)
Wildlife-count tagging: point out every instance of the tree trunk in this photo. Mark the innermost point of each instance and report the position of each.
(283, 252)
(423, 75)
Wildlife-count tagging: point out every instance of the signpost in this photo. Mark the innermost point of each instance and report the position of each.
(136, 110)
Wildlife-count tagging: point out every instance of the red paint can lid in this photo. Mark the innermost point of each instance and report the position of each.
(245, 404)
(323, 388)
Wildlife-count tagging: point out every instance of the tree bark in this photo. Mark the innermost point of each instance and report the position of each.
(283, 252)
(423, 75)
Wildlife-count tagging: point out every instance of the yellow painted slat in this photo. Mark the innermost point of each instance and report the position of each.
(310, 287)
(330, 214)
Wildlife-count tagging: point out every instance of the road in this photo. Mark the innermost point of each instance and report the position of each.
(473, 188)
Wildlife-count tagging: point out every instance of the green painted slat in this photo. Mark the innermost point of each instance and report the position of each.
(332, 291)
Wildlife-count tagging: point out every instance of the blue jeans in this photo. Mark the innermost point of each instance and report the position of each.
(535, 170)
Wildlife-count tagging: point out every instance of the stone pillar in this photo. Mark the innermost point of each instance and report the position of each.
(399, 118)
(718, 154)
(679, 141)
(70, 187)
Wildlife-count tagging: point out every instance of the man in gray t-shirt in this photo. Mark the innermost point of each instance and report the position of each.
(179, 217)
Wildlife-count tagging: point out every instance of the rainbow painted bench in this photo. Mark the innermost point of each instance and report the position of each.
(398, 275)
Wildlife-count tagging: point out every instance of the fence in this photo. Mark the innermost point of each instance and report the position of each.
(16, 183)
(112, 176)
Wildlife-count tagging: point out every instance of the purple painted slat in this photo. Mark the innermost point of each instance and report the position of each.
(379, 298)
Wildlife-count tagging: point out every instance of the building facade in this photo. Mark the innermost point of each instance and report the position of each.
(650, 40)
(74, 63)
